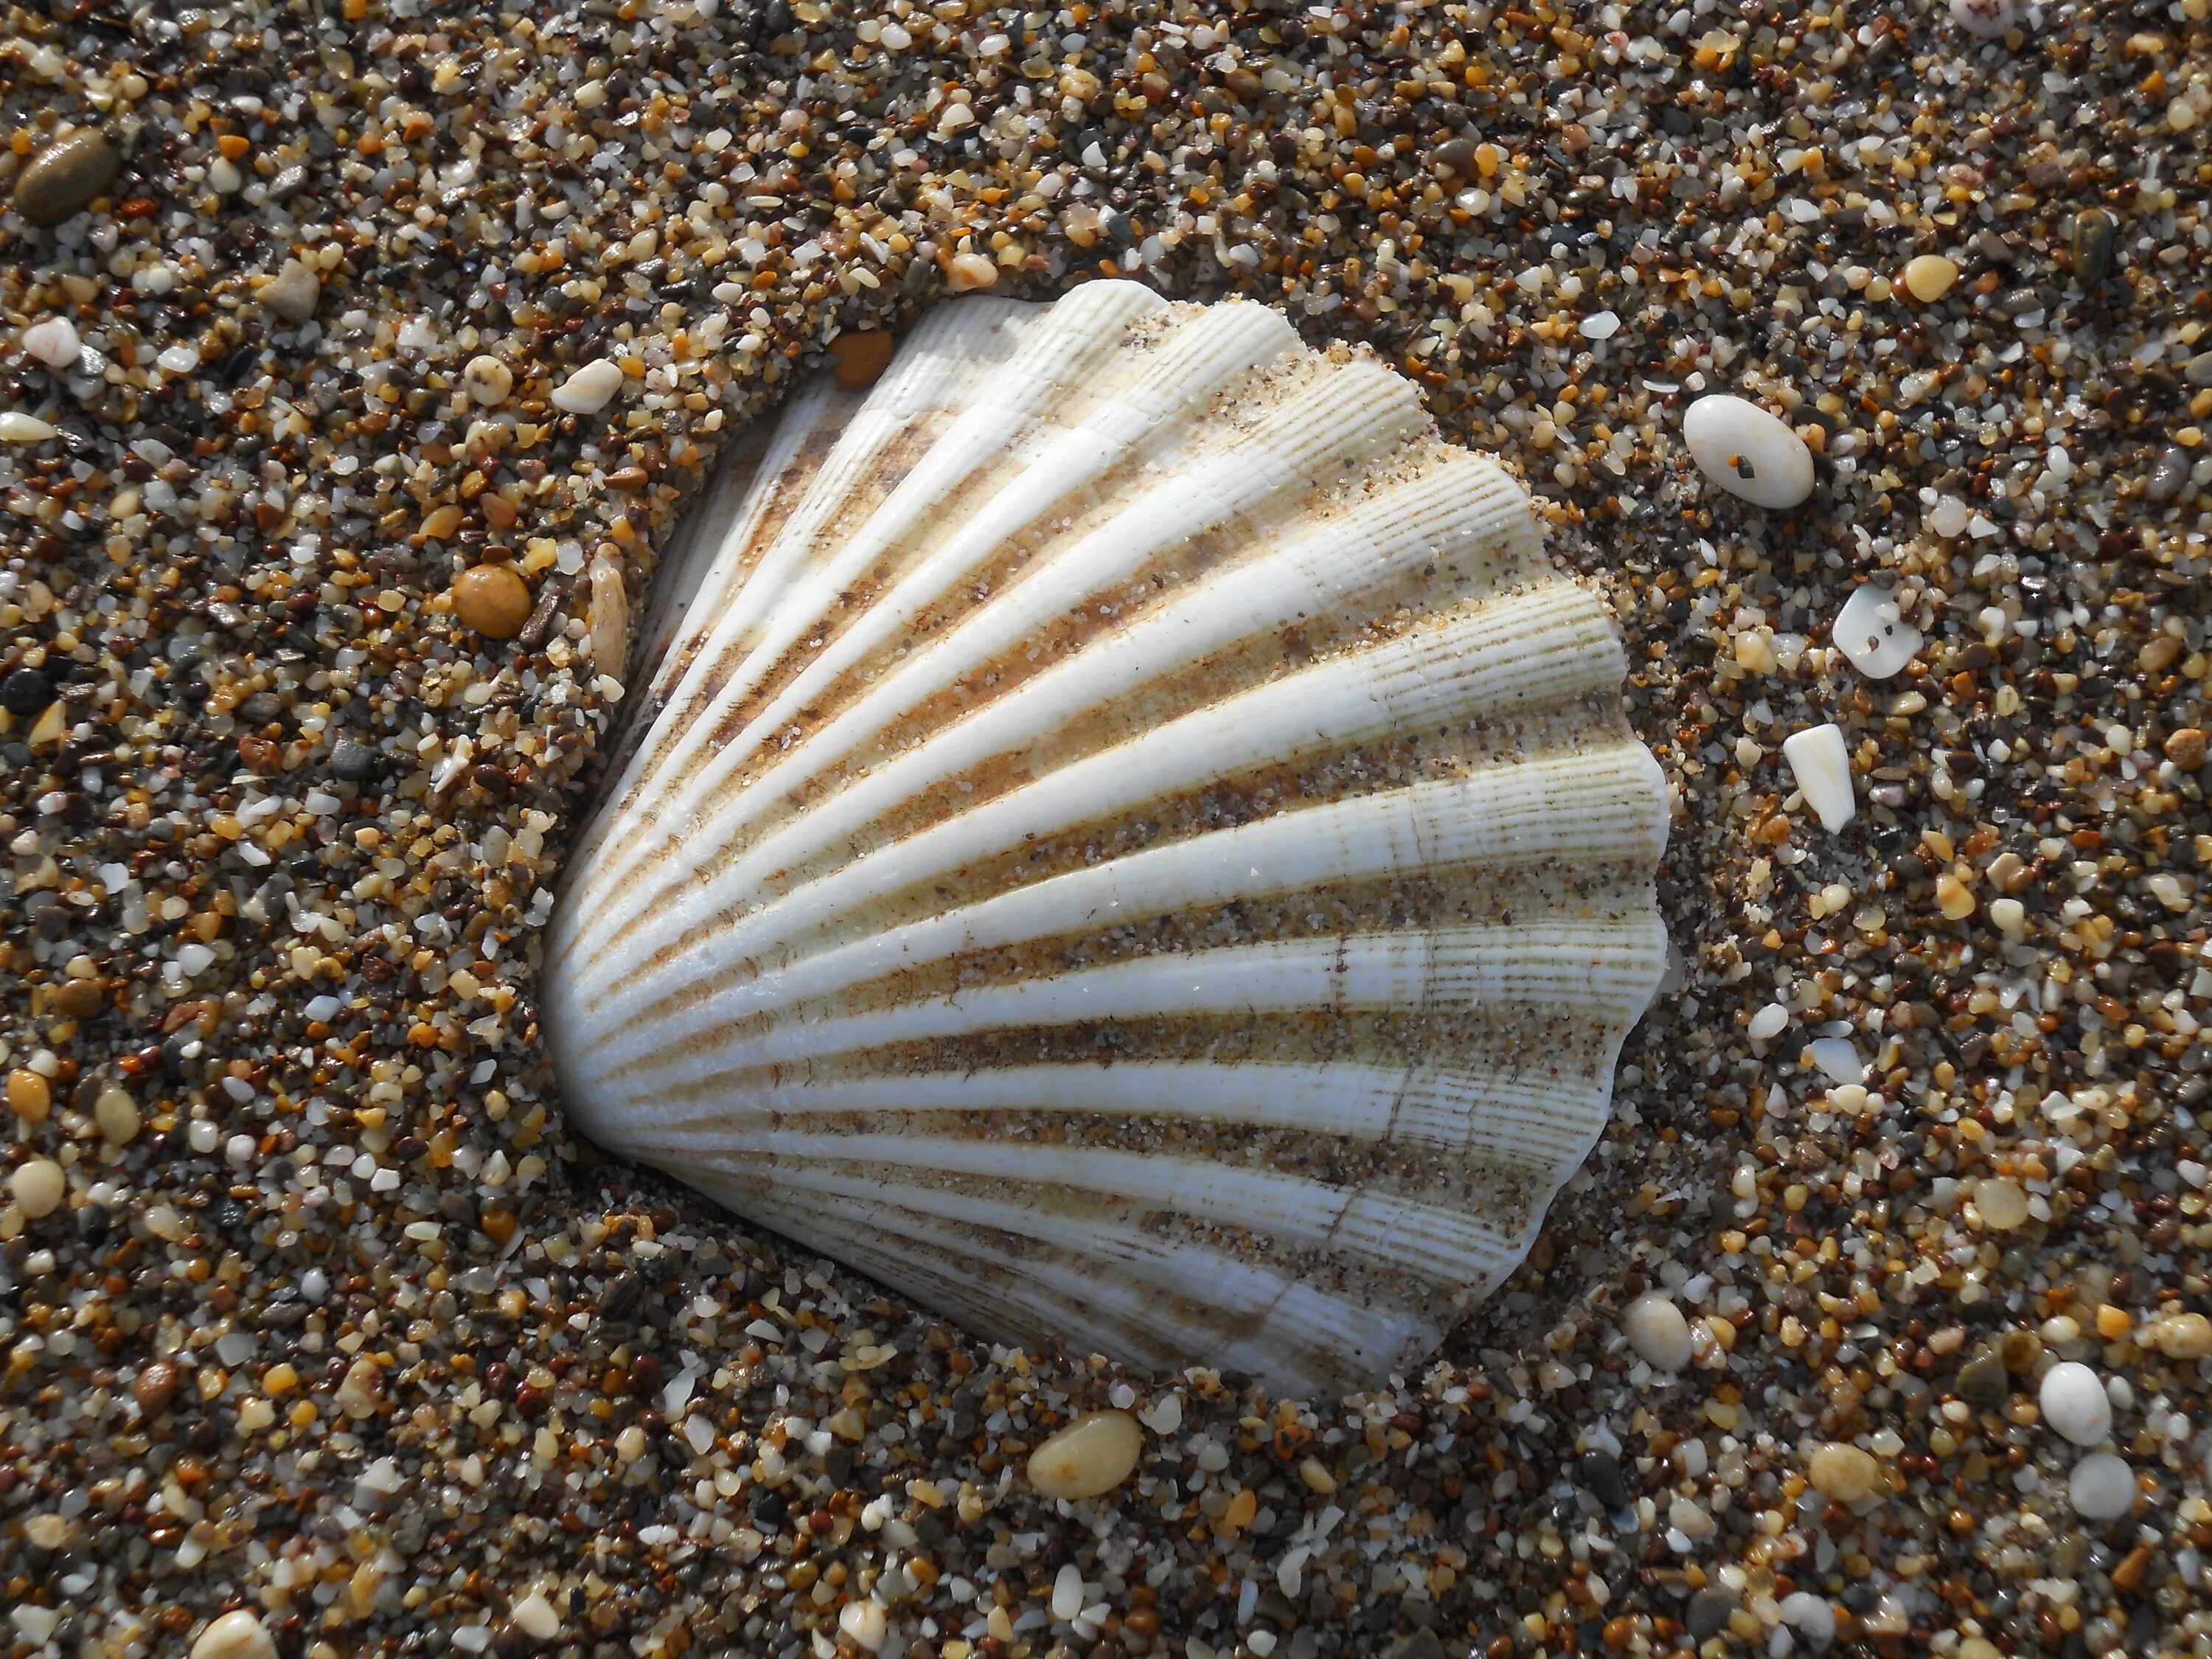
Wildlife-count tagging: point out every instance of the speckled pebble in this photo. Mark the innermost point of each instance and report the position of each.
(1748, 452)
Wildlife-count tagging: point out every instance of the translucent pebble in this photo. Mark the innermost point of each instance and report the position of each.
(1769, 1023)
(1810, 1616)
(1929, 277)
(53, 342)
(2002, 1203)
(1601, 325)
(1821, 763)
(1844, 1473)
(1091, 1455)
(38, 1187)
(1068, 1592)
(1949, 517)
(17, 428)
(1873, 635)
(1657, 1330)
(866, 1624)
(2102, 1487)
(2074, 1404)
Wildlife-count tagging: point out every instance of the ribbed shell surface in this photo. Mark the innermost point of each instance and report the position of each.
(1130, 838)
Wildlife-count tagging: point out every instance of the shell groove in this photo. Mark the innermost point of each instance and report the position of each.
(1129, 837)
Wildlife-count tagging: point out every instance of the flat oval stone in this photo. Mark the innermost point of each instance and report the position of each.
(1747, 452)
(1657, 1330)
(1091, 1455)
(2075, 1403)
(66, 176)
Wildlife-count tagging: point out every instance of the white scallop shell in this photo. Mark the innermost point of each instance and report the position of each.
(1133, 840)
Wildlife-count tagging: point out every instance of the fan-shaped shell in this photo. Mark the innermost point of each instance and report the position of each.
(1132, 839)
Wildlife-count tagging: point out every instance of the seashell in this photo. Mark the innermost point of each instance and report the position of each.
(1127, 837)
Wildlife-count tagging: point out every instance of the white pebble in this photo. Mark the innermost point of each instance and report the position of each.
(1877, 639)
(533, 1614)
(488, 380)
(2102, 1487)
(1838, 1059)
(1768, 1023)
(1601, 325)
(865, 1623)
(293, 294)
(1949, 517)
(179, 358)
(239, 1635)
(1067, 1593)
(1810, 1616)
(2074, 1404)
(53, 342)
(1986, 18)
(590, 388)
(17, 428)
(1747, 452)
(1657, 1331)
(1821, 763)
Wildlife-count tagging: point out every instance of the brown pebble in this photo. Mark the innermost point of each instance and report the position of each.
(30, 1097)
(862, 357)
(66, 176)
(80, 998)
(153, 1387)
(2186, 748)
(2128, 1576)
(493, 600)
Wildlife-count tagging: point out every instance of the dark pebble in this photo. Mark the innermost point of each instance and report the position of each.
(1455, 155)
(770, 1509)
(2198, 371)
(1601, 1474)
(1708, 1615)
(1421, 1645)
(351, 762)
(2094, 232)
(2168, 477)
(1982, 1383)
(64, 177)
(622, 1299)
(26, 692)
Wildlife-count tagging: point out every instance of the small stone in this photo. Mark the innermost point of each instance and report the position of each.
(239, 1634)
(352, 762)
(1454, 156)
(38, 1187)
(1949, 517)
(1707, 1615)
(2002, 1202)
(17, 428)
(966, 272)
(1929, 277)
(292, 294)
(360, 1389)
(1953, 898)
(2102, 1487)
(534, 1617)
(1091, 1455)
(1602, 1474)
(2168, 477)
(861, 356)
(608, 620)
(2074, 1404)
(2180, 1336)
(1811, 1616)
(1423, 1643)
(30, 1097)
(1657, 1330)
(25, 692)
(80, 998)
(1747, 452)
(492, 599)
(1870, 632)
(54, 342)
(2091, 245)
(116, 1114)
(1821, 763)
(1982, 1381)
(589, 389)
(488, 381)
(66, 177)
(1986, 18)
(1844, 1473)
(865, 1623)
(153, 1387)
(2186, 748)
(2198, 371)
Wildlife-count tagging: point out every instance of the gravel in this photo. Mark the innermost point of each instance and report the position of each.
(347, 1342)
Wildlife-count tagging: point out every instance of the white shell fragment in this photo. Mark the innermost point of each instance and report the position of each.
(1821, 763)
(1873, 635)
(1747, 452)
(1132, 840)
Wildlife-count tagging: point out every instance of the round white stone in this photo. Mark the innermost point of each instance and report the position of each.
(590, 388)
(2102, 1487)
(53, 342)
(534, 1615)
(1821, 762)
(1747, 452)
(1949, 517)
(1873, 635)
(1657, 1331)
(239, 1635)
(2074, 1404)
(1810, 1616)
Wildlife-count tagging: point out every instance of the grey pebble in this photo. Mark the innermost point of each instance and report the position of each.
(1982, 1381)
(1708, 1615)
(351, 762)
(2091, 243)
(293, 294)
(2198, 369)
(66, 176)
(1601, 1474)
(2168, 477)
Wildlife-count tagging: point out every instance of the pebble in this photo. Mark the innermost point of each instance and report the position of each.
(1091, 1455)
(2002, 1203)
(26, 692)
(66, 176)
(30, 1097)
(2091, 245)
(492, 599)
(2168, 477)
(1813, 1617)
(589, 389)
(2074, 1404)
(1986, 18)
(1747, 452)
(2102, 1487)
(534, 1617)
(1844, 1473)
(17, 428)
(607, 618)
(1708, 1614)
(1873, 635)
(1602, 1475)
(1657, 1330)
(54, 342)
(859, 357)
(968, 272)
(864, 1622)
(292, 294)
(239, 1634)
(117, 1116)
(153, 1387)
(2180, 1336)
(1929, 277)
(1454, 157)
(488, 381)
(352, 762)
(38, 1187)
(2186, 747)
(1982, 1381)
(1949, 517)
(1821, 763)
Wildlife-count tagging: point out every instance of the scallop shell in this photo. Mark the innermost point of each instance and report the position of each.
(1130, 838)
